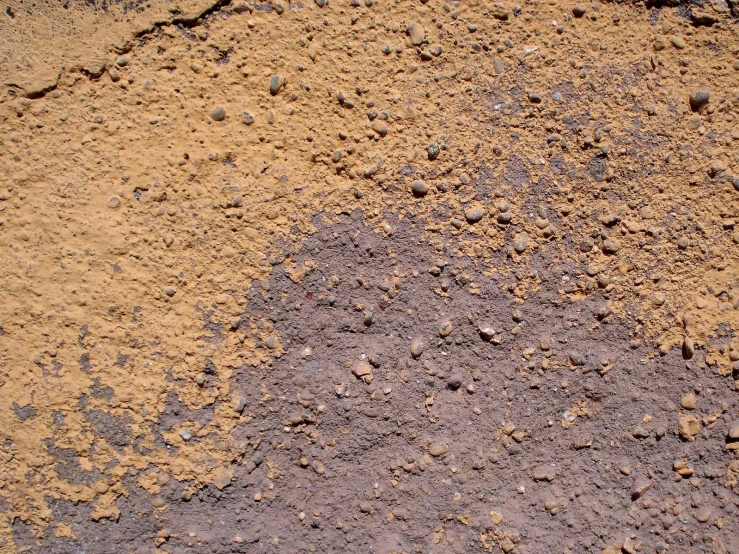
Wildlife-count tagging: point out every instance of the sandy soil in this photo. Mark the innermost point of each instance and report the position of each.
(369, 276)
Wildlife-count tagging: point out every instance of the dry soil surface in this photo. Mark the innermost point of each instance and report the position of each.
(369, 276)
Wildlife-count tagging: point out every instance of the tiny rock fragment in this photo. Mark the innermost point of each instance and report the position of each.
(520, 242)
(689, 401)
(362, 370)
(379, 127)
(640, 487)
(611, 246)
(699, 99)
(415, 34)
(678, 42)
(218, 113)
(454, 382)
(433, 151)
(639, 432)
(374, 168)
(586, 244)
(419, 188)
(681, 467)
(416, 348)
(275, 84)
(734, 430)
(703, 17)
(576, 358)
(499, 11)
(474, 214)
(688, 426)
(445, 328)
(486, 332)
(313, 52)
(437, 449)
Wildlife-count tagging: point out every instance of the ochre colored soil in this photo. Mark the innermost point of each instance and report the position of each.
(227, 229)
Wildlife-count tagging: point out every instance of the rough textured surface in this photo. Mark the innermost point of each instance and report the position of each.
(43, 40)
(553, 423)
(205, 232)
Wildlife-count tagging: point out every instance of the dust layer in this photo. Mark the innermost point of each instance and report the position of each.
(538, 426)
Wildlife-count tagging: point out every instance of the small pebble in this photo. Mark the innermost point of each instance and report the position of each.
(486, 332)
(640, 487)
(419, 188)
(437, 449)
(415, 33)
(474, 214)
(576, 359)
(699, 99)
(688, 348)
(275, 84)
(520, 242)
(218, 113)
(433, 151)
(610, 246)
(689, 401)
(416, 348)
(379, 127)
(678, 42)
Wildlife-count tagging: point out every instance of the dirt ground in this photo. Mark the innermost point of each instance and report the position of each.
(369, 276)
